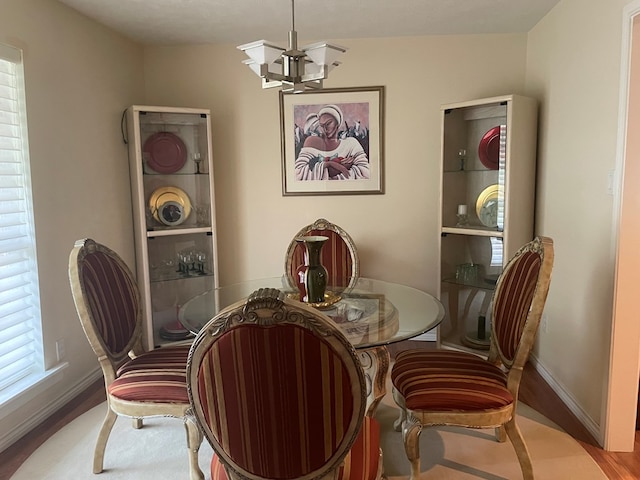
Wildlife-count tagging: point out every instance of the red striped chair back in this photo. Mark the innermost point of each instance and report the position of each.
(109, 301)
(521, 289)
(339, 255)
(277, 388)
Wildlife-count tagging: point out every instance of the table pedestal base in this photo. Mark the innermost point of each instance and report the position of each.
(375, 363)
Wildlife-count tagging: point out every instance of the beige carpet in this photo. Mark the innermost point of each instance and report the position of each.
(158, 452)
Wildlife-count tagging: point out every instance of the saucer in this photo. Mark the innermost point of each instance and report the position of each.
(330, 298)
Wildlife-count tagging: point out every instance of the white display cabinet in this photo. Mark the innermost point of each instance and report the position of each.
(487, 207)
(172, 189)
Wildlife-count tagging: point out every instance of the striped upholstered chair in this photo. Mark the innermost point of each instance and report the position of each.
(339, 254)
(461, 389)
(280, 394)
(138, 383)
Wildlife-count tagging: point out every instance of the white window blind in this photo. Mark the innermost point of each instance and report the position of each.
(20, 325)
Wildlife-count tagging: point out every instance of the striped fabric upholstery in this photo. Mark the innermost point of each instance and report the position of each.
(110, 299)
(335, 256)
(360, 464)
(448, 380)
(156, 376)
(275, 385)
(362, 461)
(513, 299)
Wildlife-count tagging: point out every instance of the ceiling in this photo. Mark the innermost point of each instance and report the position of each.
(175, 22)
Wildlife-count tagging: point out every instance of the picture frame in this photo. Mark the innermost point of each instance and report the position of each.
(366, 314)
(346, 159)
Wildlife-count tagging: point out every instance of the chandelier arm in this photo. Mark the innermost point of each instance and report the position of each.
(293, 63)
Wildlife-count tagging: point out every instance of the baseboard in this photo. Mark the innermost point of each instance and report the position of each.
(430, 336)
(9, 438)
(568, 400)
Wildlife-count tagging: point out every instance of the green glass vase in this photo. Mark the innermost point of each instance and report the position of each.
(311, 277)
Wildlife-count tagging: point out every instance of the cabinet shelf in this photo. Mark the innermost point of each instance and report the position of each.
(171, 231)
(176, 276)
(484, 284)
(478, 170)
(478, 230)
(177, 174)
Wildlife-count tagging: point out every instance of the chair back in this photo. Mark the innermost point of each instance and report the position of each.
(519, 300)
(339, 255)
(108, 303)
(277, 389)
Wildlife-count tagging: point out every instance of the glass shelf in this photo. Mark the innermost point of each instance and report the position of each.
(471, 170)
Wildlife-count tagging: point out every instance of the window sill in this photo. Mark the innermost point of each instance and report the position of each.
(29, 388)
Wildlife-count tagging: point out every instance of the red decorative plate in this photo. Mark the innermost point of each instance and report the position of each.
(165, 152)
(489, 148)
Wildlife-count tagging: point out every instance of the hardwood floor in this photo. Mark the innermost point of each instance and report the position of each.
(534, 391)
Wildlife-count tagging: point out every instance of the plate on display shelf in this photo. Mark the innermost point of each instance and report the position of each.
(170, 205)
(174, 331)
(489, 148)
(487, 206)
(165, 152)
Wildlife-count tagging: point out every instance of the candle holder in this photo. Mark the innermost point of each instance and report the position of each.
(463, 220)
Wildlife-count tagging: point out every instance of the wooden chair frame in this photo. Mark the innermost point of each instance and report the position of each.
(318, 226)
(503, 419)
(111, 361)
(267, 307)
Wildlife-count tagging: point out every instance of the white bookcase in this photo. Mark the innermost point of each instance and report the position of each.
(173, 212)
(488, 172)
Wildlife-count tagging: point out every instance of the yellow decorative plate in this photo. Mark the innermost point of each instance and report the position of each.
(487, 206)
(170, 205)
(329, 299)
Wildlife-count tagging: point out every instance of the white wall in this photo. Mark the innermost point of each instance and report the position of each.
(573, 65)
(396, 233)
(79, 78)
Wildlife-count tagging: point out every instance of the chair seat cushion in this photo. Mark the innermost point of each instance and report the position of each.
(361, 463)
(155, 376)
(447, 380)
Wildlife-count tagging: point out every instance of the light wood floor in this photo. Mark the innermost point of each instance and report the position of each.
(534, 391)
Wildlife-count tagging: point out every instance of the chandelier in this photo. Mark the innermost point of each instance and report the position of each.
(291, 69)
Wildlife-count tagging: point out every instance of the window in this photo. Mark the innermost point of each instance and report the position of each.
(20, 324)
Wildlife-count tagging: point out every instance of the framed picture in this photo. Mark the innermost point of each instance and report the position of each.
(366, 314)
(332, 141)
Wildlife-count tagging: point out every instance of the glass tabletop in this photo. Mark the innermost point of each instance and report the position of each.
(371, 313)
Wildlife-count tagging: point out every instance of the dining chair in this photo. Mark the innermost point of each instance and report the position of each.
(339, 255)
(138, 383)
(279, 393)
(456, 388)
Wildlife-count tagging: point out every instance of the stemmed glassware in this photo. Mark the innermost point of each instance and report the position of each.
(197, 158)
(192, 262)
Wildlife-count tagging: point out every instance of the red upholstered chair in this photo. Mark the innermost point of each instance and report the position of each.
(339, 254)
(279, 393)
(138, 383)
(446, 387)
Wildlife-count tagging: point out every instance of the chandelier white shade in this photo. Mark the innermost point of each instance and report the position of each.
(291, 69)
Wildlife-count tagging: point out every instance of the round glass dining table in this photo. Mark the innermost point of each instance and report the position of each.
(371, 313)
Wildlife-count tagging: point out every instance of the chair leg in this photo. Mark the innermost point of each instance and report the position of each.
(399, 399)
(501, 434)
(137, 422)
(194, 439)
(411, 429)
(101, 442)
(521, 449)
